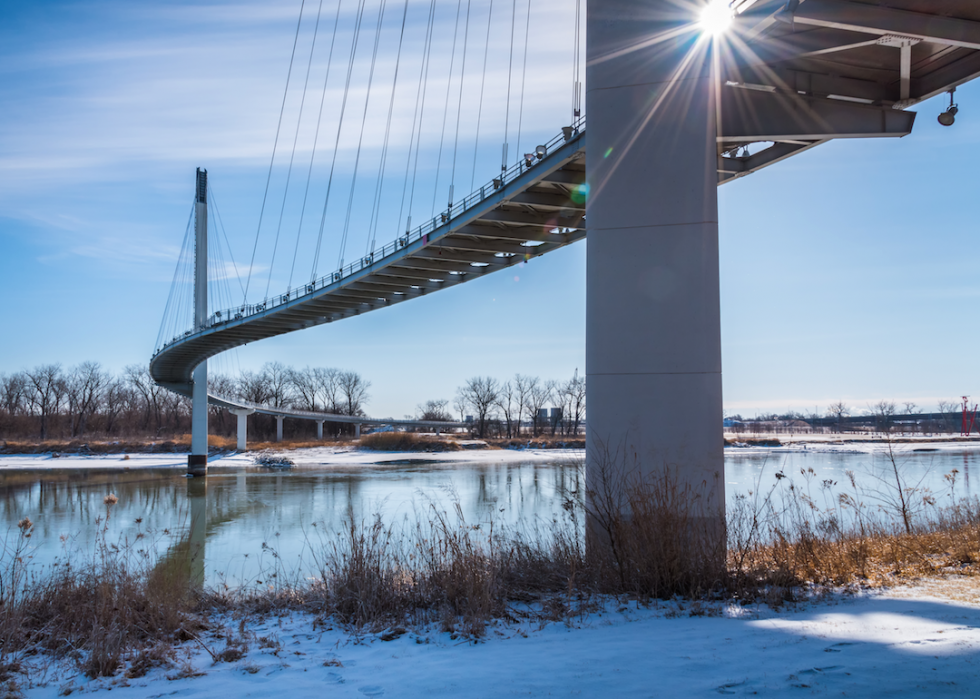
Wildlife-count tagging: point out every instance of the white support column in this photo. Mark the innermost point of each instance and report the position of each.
(279, 419)
(653, 333)
(319, 430)
(357, 431)
(197, 461)
(242, 414)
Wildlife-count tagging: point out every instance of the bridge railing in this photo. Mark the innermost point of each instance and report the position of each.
(525, 163)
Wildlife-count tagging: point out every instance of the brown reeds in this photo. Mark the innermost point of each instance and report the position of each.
(407, 441)
(648, 537)
(98, 610)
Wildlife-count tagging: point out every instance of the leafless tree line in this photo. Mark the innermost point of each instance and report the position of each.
(883, 416)
(506, 408)
(49, 402)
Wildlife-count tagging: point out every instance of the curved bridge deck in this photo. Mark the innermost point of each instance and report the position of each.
(533, 208)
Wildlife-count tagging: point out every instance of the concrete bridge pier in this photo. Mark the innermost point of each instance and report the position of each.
(319, 430)
(653, 331)
(197, 460)
(357, 431)
(242, 415)
(279, 419)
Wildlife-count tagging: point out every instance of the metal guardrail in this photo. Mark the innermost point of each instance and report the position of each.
(245, 311)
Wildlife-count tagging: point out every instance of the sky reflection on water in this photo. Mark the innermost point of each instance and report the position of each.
(257, 519)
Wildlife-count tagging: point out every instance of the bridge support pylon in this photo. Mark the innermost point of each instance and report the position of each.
(653, 332)
(319, 430)
(279, 419)
(197, 460)
(357, 431)
(242, 414)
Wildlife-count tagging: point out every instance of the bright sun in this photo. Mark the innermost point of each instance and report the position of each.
(716, 17)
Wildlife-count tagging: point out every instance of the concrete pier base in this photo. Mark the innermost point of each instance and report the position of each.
(653, 329)
(357, 431)
(319, 430)
(279, 419)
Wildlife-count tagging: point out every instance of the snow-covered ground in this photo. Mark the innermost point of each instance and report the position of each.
(920, 642)
(316, 456)
(353, 456)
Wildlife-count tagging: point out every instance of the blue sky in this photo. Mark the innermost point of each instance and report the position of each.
(848, 272)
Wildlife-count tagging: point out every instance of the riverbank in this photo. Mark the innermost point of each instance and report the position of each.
(474, 451)
(346, 455)
(918, 641)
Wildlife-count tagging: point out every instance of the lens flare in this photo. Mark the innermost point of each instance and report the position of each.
(716, 17)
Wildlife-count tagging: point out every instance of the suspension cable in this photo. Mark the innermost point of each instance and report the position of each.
(459, 103)
(423, 89)
(576, 70)
(360, 138)
(520, 111)
(336, 144)
(316, 137)
(221, 225)
(376, 208)
(510, 72)
(164, 326)
(275, 143)
(445, 110)
(292, 155)
(483, 82)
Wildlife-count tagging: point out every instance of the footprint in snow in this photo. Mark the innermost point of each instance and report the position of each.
(371, 690)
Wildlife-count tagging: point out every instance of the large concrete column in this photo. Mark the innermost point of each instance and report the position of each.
(319, 429)
(197, 461)
(279, 419)
(357, 431)
(242, 414)
(653, 337)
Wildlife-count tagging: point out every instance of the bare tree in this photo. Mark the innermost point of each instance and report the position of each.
(114, 400)
(354, 391)
(253, 387)
(84, 388)
(459, 404)
(277, 377)
(12, 399)
(328, 388)
(306, 388)
(839, 411)
(523, 385)
(434, 410)
(948, 410)
(507, 402)
(139, 379)
(884, 411)
(910, 408)
(572, 398)
(45, 390)
(538, 397)
(481, 393)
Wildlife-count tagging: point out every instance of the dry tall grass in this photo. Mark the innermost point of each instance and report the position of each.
(98, 610)
(407, 441)
(649, 538)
